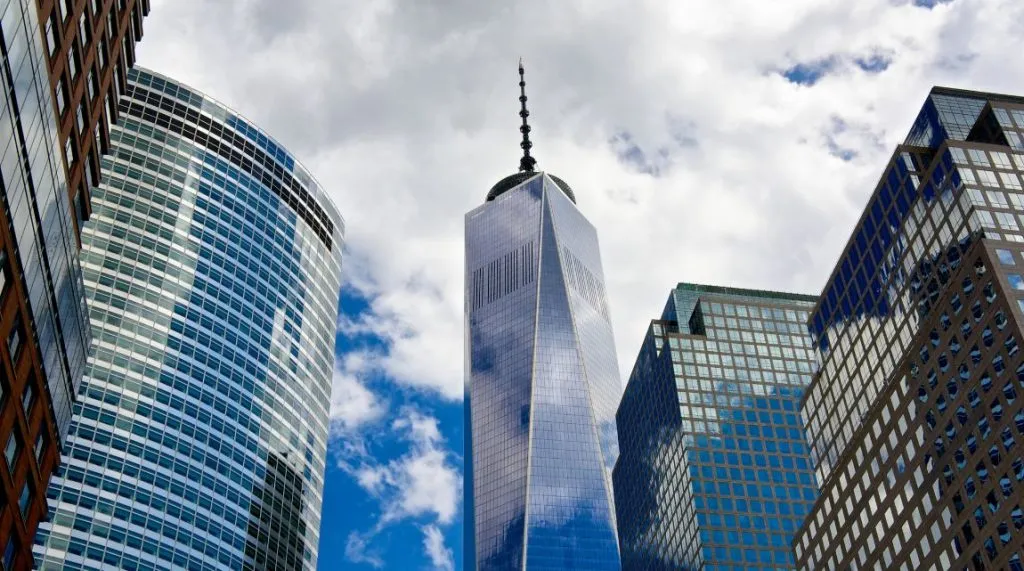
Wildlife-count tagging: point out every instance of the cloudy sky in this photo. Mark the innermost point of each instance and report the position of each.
(730, 142)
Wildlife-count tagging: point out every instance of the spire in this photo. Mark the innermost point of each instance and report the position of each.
(526, 163)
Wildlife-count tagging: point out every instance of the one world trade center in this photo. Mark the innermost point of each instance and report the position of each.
(542, 380)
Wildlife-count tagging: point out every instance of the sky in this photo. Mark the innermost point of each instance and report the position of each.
(727, 142)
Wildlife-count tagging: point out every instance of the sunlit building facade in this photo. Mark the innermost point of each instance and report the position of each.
(212, 263)
(542, 382)
(915, 420)
(542, 385)
(713, 470)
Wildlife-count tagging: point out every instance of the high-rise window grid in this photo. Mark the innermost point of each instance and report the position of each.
(78, 35)
(200, 437)
(714, 471)
(914, 418)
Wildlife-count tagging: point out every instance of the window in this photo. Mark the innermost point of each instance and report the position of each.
(98, 143)
(25, 500)
(11, 451)
(111, 110)
(118, 85)
(1005, 257)
(80, 117)
(79, 206)
(3, 274)
(73, 63)
(83, 29)
(14, 340)
(52, 41)
(66, 9)
(1016, 281)
(93, 85)
(28, 399)
(101, 53)
(40, 447)
(9, 552)
(71, 152)
(61, 96)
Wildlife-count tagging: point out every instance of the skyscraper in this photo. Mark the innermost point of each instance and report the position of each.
(915, 420)
(541, 381)
(213, 264)
(90, 46)
(61, 60)
(713, 471)
(44, 322)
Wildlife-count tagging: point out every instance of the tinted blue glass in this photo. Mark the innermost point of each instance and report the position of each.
(714, 471)
(1005, 257)
(541, 386)
(200, 438)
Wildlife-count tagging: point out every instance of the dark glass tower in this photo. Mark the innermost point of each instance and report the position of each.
(541, 381)
(714, 472)
(916, 418)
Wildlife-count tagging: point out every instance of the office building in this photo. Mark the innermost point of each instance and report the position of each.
(62, 60)
(713, 470)
(44, 322)
(915, 419)
(90, 46)
(213, 264)
(542, 381)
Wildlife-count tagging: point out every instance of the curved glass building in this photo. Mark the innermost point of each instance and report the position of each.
(212, 263)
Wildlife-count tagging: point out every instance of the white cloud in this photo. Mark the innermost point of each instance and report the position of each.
(352, 403)
(422, 482)
(433, 544)
(357, 550)
(408, 115)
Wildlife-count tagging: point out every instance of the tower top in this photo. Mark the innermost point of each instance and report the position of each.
(526, 163)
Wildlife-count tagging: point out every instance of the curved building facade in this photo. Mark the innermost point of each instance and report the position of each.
(212, 263)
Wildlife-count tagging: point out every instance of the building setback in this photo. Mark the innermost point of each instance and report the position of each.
(541, 381)
(213, 265)
(915, 420)
(62, 63)
(713, 470)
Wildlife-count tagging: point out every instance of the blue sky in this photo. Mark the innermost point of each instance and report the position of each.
(730, 142)
(357, 529)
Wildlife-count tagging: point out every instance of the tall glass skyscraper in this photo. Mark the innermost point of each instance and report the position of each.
(714, 471)
(212, 262)
(541, 382)
(916, 419)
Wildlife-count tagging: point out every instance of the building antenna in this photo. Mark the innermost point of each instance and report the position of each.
(526, 163)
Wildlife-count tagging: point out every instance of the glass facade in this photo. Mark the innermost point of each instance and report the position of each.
(213, 265)
(714, 471)
(541, 385)
(914, 416)
(43, 321)
(39, 210)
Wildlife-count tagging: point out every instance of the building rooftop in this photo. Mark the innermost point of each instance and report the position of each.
(767, 294)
